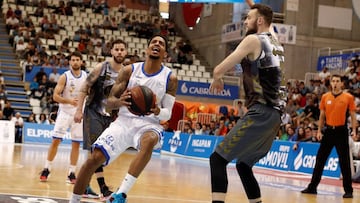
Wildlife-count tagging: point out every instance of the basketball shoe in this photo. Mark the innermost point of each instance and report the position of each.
(71, 178)
(117, 198)
(89, 193)
(44, 174)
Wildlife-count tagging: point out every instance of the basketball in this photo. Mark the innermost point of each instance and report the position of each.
(142, 100)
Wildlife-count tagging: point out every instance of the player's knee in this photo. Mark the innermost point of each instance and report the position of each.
(216, 160)
(97, 157)
(149, 140)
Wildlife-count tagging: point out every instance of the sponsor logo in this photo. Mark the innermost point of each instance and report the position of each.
(175, 142)
(308, 161)
(201, 143)
(277, 158)
(203, 91)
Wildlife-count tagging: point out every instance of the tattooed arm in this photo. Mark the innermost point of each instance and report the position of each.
(85, 88)
(119, 94)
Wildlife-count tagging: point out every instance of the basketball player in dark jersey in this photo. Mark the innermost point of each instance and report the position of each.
(251, 138)
(96, 117)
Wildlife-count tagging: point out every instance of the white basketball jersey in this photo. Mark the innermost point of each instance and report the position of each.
(157, 82)
(71, 90)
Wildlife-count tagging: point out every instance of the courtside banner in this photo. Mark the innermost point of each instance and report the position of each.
(304, 159)
(41, 134)
(7, 129)
(199, 89)
(175, 142)
(31, 72)
(201, 146)
(279, 156)
(333, 62)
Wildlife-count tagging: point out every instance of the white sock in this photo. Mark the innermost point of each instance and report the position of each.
(75, 198)
(48, 164)
(72, 169)
(126, 184)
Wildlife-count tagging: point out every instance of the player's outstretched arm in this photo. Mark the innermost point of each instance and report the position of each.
(119, 94)
(84, 91)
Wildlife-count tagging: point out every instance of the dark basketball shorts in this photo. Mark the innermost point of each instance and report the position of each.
(252, 136)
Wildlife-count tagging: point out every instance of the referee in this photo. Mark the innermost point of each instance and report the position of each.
(334, 107)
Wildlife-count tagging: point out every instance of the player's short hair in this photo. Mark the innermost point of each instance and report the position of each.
(118, 41)
(76, 54)
(162, 36)
(265, 11)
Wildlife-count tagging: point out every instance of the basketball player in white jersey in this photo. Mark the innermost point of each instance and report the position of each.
(66, 93)
(128, 130)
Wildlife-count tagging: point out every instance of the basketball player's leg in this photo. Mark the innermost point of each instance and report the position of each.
(145, 143)
(87, 169)
(249, 182)
(94, 125)
(58, 135)
(219, 180)
(53, 148)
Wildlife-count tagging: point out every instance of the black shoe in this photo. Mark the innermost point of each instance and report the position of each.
(106, 193)
(44, 174)
(309, 191)
(348, 195)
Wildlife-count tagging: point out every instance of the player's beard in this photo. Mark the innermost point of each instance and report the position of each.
(117, 60)
(154, 57)
(76, 67)
(252, 30)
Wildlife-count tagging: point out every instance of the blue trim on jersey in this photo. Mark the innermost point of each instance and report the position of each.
(103, 150)
(150, 75)
(167, 81)
(57, 138)
(132, 68)
(71, 71)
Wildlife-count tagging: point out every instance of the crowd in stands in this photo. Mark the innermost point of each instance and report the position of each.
(27, 39)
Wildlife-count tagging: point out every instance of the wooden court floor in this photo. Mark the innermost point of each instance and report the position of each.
(166, 179)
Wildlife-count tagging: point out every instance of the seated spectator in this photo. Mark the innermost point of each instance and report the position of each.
(18, 12)
(122, 7)
(106, 23)
(68, 9)
(212, 128)
(8, 110)
(43, 119)
(198, 129)
(20, 49)
(31, 118)
(9, 12)
(39, 12)
(222, 129)
(324, 74)
(60, 9)
(309, 137)
(166, 127)
(11, 23)
(241, 109)
(82, 47)
(187, 128)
